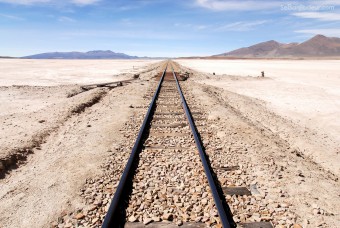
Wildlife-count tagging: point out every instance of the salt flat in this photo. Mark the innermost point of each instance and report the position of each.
(304, 91)
(307, 91)
(61, 72)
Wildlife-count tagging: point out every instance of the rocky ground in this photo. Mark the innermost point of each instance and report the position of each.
(291, 188)
(303, 92)
(71, 173)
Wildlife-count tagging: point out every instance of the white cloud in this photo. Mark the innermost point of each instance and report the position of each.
(85, 2)
(121, 33)
(183, 25)
(11, 17)
(326, 32)
(33, 2)
(221, 5)
(241, 26)
(201, 27)
(285, 5)
(66, 19)
(326, 2)
(24, 2)
(191, 26)
(322, 16)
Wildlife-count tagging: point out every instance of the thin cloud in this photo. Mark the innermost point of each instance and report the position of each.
(24, 2)
(253, 5)
(191, 26)
(11, 17)
(85, 2)
(322, 16)
(326, 32)
(66, 19)
(35, 2)
(141, 34)
(228, 5)
(241, 26)
(201, 27)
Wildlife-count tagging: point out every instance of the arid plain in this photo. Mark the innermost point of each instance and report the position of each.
(304, 91)
(56, 135)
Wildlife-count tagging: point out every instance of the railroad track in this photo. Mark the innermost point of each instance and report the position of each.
(168, 180)
(165, 179)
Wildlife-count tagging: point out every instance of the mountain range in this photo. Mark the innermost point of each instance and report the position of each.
(318, 46)
(81, 55)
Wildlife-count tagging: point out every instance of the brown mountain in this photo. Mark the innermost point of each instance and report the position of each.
(318, 46)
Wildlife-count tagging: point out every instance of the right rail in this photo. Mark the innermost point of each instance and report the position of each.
(218, 202)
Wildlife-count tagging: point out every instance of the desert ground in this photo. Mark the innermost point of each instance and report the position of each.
(58, 139)
(303, 91)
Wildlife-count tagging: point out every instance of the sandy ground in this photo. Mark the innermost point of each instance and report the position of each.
(61, 72)
(306, 92)
(33, 112)
(59, 136)
(55, 146)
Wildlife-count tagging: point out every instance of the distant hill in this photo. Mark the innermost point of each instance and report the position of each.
(318, 46)
(81, 55)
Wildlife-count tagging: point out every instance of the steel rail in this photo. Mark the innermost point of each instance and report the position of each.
(113, 214)
(221, 211)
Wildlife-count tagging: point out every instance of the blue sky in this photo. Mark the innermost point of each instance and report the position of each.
(159, 27)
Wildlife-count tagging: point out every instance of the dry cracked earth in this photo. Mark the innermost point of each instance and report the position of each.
(60, 162)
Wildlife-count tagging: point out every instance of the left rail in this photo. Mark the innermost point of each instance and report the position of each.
(114, 213)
